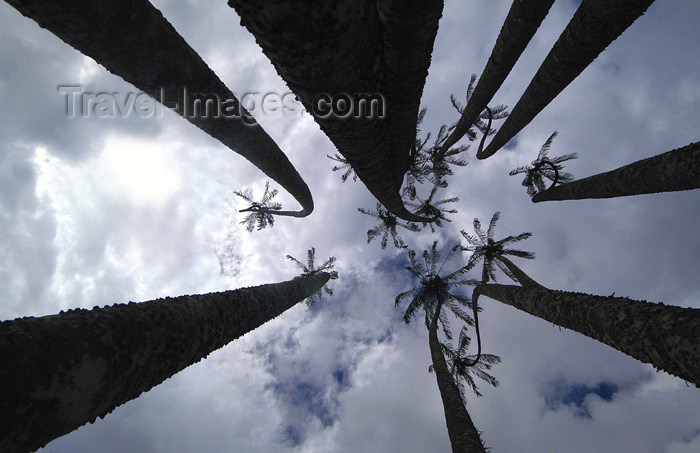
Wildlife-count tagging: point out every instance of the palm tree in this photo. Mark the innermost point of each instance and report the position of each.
(433, 293)
(309, 269)
(344, 166)
(483, 246)
(464, 367)
(62, 371)
(133, 40)
(544, 167)
(671, 171)
(260, 211)
(429, 208)
(523, 20)
(387, 226)
(665, 336)
(595, 25)
(381, 49)
(428, 163)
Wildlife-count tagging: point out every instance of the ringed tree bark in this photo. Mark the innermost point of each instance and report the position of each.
(665, 336)
(133, 40)
(62, 371)
(464, 436)
(675, 170)
(523, 20)
(348, 48)
(595, 25)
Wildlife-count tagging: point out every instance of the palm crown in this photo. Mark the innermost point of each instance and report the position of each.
(426, 163)
(491, 113)
(435, 289)
(429, 208)
(310, 269)
(260, 211)
(483, 246)
(387, 226)
(464, 367)
(344, 166)
(544, 167)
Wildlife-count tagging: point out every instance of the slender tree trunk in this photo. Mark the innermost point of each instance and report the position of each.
(522, 277)
(672, 171)
(350, 48)
(133, 40)
(595, 25)
(61, 371)
(463, 434)
(523, 20)
(665, 336)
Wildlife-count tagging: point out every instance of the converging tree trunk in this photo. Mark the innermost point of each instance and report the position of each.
(522, 277)
(523, 20)
(340, 58)
(595, 25)
(133, 40)
(665, 336)
(61, 371)
(463, 434)
(675, 170)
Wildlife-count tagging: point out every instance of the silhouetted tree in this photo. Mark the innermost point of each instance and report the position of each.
(62, 371)
(374, 47)
(309, 269)
(430, 208)
(595, 25)
(675, 170)
(464, 367)
(133, 40)
(544, 167)
(523, 20)
(261, 212)
(387, 226)
(665, 336)
(483, 246)
(433, 293)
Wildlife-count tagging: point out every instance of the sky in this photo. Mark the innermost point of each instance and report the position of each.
(96, 211)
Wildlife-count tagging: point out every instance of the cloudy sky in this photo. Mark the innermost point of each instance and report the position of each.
(95, 211)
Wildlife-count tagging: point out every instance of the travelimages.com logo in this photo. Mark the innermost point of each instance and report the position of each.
(104, 104)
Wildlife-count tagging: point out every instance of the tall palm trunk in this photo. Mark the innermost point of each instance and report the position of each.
(523, 20)
(61, 371)
(594, 26)
(675, 170)
(133, 40)
(463, 434)
(665, 336)
(349, 48)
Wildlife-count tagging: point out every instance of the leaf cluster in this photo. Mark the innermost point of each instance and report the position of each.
(310, 269)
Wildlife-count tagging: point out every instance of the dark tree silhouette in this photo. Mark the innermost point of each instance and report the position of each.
(523, 20)
(464, 367)
(309, 269)
(545, 167)
(377, 48)
(433, 293)
(430, 208)
(484, 247)
(675, 170)
(133, 40)
(595, 25)
(261, 212)
(665, 336)
(62, 371)
(387, 226)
